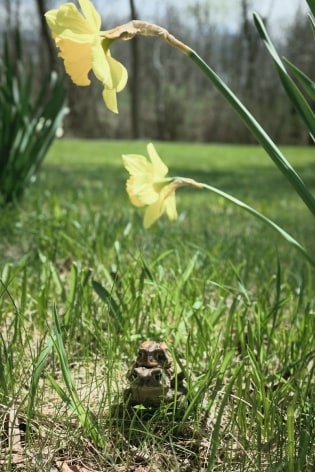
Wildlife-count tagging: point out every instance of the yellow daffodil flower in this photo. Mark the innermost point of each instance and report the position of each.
(148, 185)
(84, 47)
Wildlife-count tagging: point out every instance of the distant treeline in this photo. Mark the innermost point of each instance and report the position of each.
(172, 100)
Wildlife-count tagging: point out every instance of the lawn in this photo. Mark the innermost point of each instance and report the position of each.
(83, 283)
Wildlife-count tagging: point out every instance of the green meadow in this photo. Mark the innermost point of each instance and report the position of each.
(82, 283)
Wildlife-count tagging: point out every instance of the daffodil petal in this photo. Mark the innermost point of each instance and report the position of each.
(141, 187)
(68, 23)
(136, 164)
(144, 190)
(91, 14)
(51, 18)
(133, 198)
(77, 60)
(156, 209)
(119, 74)
(159, 168)
(170, 207)
(110, 99)
(110, 72)
(153, 212)
(100, 64)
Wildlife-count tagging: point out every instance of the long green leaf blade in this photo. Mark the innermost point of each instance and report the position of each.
(258, 132)
(293, 92)
(311, 4)
(265, 220)
(307, 83)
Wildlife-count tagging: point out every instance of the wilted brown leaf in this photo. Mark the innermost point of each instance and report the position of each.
(64, 467)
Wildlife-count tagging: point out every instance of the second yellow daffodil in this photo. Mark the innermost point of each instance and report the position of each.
(83, 46)
(148, 185)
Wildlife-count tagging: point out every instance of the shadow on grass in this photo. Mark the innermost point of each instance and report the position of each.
(257, 183)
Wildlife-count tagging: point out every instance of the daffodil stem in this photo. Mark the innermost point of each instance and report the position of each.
(264, 219)
(259, 133)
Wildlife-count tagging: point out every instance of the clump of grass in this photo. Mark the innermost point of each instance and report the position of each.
(28, 124)
(232, 300)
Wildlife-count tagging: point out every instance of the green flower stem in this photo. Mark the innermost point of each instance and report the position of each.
(264, 219)
(259, 133)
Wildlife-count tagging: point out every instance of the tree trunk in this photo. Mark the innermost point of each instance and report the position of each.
(49, 59)
(134, 79)
(160, 92)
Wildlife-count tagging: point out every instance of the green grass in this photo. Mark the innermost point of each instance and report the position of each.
(229, 296)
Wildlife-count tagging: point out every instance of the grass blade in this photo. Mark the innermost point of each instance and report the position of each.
(291, 442)
(71, 397)
(107, 298)
(39, 366)
(215, 439)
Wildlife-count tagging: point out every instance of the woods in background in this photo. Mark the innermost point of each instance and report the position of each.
(159, 104)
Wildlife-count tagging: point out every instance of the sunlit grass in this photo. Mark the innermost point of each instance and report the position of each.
(232, 300)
